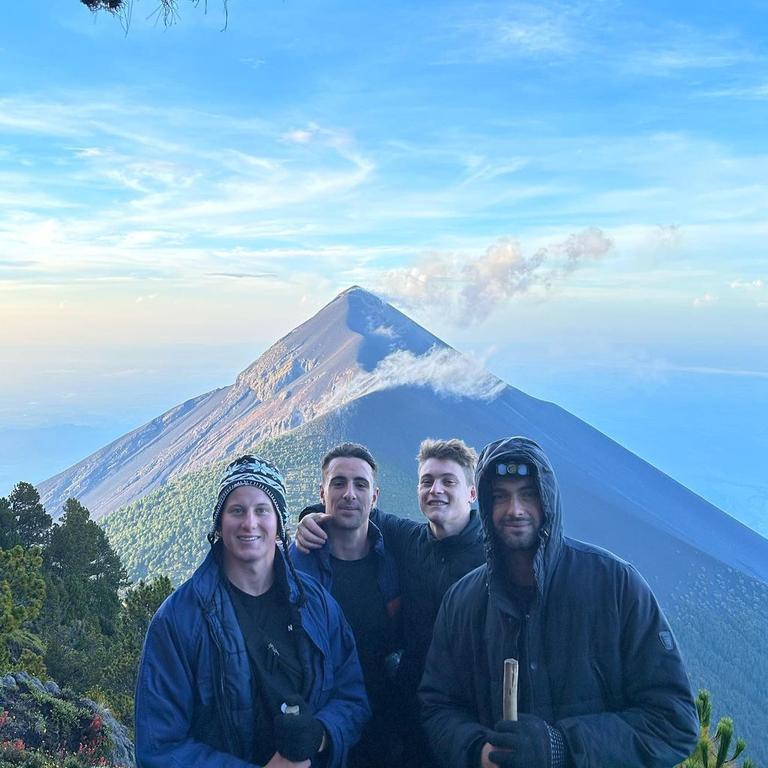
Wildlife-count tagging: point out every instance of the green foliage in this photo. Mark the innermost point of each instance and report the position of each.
(66, 611)
(718, 615)
(118, 680)
(22, 591)
(23, 519)
(84, 573)
(43, 726)
(712, 751)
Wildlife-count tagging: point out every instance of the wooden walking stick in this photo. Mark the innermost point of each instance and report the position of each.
(509, 704)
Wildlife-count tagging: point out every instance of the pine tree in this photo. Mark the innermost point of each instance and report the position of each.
(23, 519)
(22, 592)
(712, 751)
(84, 572)
(139, 606)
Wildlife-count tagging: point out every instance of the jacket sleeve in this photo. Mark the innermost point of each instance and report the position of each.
(654, 723)
(447, 709)
(346, 711)
(165, 693)
(396, 530)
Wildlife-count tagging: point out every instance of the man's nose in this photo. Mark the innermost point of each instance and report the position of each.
(518, 507)
(436, 487)
(349, 491)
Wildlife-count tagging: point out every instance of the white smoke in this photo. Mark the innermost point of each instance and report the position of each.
(459, 288)
(444, 370)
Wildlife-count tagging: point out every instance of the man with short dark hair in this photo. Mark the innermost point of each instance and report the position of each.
(430, 557)
(357, 570)
(601, 682)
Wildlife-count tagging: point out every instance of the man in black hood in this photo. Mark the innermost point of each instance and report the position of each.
(601, 681)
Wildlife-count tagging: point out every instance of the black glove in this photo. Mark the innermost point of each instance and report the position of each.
(298, 736)
(531, 741)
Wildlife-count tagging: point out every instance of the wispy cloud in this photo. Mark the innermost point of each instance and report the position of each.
(459, 286)
(444, 370)
(127, 190)
(758, 91)
(705, 301)
(522, 29)
(747, 285)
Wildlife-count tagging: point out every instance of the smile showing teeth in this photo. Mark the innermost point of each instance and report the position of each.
(249, 538)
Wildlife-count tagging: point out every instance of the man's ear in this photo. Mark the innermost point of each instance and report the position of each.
(374, 498)
(322, 493)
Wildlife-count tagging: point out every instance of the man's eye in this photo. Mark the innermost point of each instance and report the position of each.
(425, 481)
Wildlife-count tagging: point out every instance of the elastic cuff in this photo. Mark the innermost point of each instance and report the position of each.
(557, 748)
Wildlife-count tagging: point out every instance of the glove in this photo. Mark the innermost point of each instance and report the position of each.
(531, 742)
(298, 736)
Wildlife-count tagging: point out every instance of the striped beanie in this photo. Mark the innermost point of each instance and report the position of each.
(251, 470)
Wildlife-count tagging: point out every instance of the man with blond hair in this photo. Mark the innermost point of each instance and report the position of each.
(431, 556)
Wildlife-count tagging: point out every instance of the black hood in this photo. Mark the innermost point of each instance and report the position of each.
(521, 449)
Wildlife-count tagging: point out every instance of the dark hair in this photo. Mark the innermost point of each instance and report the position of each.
(452, 450)
(349, 451)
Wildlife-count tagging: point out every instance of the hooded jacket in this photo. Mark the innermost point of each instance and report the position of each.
(597, 658)
(194, 697)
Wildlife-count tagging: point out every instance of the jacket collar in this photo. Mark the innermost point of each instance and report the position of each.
(209, 576)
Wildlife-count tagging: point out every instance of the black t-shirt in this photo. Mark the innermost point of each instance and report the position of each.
(356, 589)
(265, 621)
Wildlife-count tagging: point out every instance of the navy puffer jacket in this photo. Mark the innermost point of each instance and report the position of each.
(194, 700)
(597, 657)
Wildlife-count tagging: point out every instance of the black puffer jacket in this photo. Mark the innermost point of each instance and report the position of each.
(428, 566)
(597, 657)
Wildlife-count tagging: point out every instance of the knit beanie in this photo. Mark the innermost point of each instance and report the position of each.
(251, 470)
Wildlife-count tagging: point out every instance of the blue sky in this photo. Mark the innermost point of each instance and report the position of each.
(575, 192)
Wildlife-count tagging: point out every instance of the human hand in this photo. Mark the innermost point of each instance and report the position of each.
(485, 760)
(298, 736)
(309, 534)
(522, 743)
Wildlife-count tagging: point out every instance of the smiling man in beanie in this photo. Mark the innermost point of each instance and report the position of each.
(601, 681)
(248, 663)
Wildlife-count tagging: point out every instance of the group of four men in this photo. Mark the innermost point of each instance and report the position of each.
(601, 681)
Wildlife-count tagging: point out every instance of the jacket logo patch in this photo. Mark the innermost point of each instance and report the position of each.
(667, 640)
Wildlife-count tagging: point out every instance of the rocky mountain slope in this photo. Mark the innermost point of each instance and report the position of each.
(298, 378)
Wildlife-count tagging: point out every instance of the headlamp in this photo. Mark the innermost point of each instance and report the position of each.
(513, 468)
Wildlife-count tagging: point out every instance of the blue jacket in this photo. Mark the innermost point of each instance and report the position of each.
(597, 658)
(194, 697)
(318, 564)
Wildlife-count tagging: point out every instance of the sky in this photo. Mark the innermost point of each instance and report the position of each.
(573, 192)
